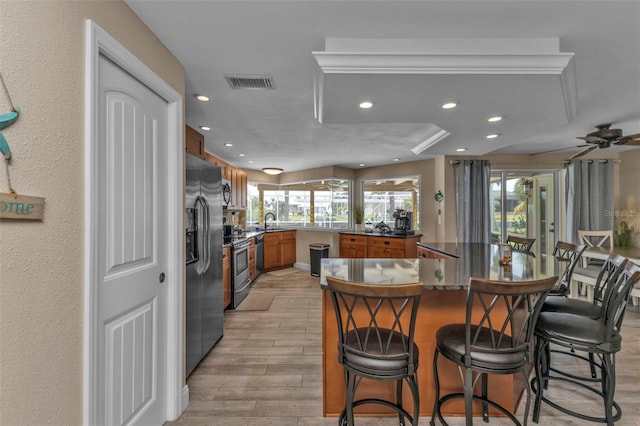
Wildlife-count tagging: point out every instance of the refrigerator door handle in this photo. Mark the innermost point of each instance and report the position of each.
(207, 234)
(202, 251)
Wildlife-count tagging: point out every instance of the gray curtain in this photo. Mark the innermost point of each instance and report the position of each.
(473, 201)
(589, 191)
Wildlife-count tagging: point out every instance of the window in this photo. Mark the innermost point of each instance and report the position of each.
(316, 204)
(385, 197)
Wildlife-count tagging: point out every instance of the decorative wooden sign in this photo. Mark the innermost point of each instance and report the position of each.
(13, 206)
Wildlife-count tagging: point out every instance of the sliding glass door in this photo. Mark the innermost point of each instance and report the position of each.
(524, 205)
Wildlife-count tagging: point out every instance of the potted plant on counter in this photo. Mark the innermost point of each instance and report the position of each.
(358, 216)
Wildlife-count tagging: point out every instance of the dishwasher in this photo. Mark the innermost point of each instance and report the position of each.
(259, 253)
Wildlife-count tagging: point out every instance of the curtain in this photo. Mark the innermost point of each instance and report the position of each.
(472, 184)
(589, 196)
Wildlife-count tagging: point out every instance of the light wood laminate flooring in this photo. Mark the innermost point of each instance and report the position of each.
(267, 369)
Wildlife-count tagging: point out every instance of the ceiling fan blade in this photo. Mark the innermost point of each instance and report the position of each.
(635, 142)
(583, 152)
(560, 149)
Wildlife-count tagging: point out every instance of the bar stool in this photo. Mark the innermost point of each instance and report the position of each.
(592, 309)
(495, 339)
(520, 243)
(376, 325)
(567, 254)
(581, 333)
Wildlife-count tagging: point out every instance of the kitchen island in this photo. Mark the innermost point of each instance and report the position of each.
(442, 302)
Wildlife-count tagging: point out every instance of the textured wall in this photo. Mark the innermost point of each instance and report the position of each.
(41, 263)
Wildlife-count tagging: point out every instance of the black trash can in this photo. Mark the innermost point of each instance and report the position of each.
(317, 251)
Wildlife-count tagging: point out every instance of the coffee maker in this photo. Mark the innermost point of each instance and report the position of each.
(403, 222)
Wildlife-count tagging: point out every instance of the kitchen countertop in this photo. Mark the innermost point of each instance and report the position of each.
(475, 260)
(228, 241)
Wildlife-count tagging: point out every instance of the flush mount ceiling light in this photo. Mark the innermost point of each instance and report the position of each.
(272, 170)
(492, 136)
(203, 98)
(494, 119)
(449, 105)
(366, 104)
(205, 128)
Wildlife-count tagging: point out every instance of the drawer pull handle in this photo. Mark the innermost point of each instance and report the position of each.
(386, 243)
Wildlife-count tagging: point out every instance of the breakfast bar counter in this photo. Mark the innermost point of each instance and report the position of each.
(443, 302)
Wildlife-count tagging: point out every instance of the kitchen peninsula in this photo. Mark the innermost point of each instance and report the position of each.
(442, 302)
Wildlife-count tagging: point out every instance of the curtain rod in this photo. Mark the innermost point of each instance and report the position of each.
(599, 161)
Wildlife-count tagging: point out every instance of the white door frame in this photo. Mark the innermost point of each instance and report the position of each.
(98, 42)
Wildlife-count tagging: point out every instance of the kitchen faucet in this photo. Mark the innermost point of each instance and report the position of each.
(273, 216)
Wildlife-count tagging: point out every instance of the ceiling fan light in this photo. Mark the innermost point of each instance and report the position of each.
(272, 170)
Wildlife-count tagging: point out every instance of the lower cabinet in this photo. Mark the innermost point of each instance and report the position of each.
(226, 276)
(425, 253)
(363, 246)
(353, 246)
(279, 250)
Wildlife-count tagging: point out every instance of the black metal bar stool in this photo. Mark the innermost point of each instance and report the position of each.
(592, 309)
(495, 339)
(567, 255)
(376, 325)
(599, 336)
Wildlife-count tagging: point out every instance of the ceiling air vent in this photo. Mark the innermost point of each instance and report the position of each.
(250, 81)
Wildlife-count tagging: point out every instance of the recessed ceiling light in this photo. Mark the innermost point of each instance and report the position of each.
(494, 119)
(492, 136)
(240, 155)
(366, 104)
(250, 161)
(361, 164)
(396, 159)
(228, 144)
(206, 128)
(461, 149)
(449, 105)
(203, 98)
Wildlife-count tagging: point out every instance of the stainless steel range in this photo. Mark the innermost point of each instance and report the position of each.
(240, 265)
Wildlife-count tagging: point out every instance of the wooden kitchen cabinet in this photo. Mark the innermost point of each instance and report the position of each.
(368, 246)
(237, 178)
(353, 246)
(194, 142)
(224, 166)
(279, 250)
(425, 253)
(252, 260)
(226, 276)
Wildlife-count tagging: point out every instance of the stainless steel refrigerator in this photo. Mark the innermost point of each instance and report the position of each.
(204, 292)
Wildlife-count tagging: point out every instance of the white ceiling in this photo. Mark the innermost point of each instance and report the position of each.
(278, 128)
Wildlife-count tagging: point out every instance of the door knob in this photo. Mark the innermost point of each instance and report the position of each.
(162, 277)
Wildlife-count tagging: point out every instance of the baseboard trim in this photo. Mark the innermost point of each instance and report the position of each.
(303, 266)
(185, 397)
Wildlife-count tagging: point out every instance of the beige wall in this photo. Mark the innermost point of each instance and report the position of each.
(41, 263)
(628, 200)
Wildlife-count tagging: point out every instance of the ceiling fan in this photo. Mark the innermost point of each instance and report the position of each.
(602, 138)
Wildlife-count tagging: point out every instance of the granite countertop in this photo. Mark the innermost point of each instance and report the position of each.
(477, 260)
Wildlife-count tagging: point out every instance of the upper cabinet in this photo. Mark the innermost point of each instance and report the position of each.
(236, 177)
(194, 142)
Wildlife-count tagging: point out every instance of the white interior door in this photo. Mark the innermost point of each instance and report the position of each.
(131, 251)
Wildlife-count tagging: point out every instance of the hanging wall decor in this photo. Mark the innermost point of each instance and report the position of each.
(13, 205)
(439, 197)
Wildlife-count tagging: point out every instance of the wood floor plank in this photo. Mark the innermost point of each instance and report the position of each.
(267, 369)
